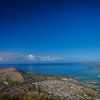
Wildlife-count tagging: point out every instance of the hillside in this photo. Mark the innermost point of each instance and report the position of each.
(13, 74)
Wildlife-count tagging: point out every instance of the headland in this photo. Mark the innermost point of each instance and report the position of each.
(92, 64)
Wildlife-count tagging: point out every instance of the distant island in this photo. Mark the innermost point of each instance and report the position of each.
(92, 64)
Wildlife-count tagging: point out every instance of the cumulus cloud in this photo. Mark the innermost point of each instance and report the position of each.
(33, 58)
(15, 57)
(37, 58)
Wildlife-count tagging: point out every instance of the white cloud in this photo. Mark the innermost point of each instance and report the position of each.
(37, 58)
(15, 57)
(33, 58)
(1, 59)
(48, 57)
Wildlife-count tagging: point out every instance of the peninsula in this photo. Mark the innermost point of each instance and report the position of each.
(92, 64)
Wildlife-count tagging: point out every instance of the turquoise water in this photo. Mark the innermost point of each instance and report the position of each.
(70, 69)
(2, 83)
(92, 78)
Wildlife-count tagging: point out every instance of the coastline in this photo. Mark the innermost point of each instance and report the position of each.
(5, 82)
(92, 81)
(92, 64)
(57, 85)
(67, 76)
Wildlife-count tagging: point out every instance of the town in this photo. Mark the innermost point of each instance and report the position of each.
(65, 88)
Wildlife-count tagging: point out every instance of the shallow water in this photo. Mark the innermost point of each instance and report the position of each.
(92, 78)
(2, 83)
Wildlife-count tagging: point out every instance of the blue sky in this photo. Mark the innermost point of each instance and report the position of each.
(67, 29)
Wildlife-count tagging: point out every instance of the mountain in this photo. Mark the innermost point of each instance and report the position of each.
(13, 74)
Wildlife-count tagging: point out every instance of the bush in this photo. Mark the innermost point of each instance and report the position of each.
(30, 96)
(12, 82)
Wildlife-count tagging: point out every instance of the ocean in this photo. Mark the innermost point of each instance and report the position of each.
(70, 69)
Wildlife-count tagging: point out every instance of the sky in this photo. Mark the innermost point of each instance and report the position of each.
(49, 31)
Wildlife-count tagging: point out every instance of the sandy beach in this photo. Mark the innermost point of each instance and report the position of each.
(6, 83)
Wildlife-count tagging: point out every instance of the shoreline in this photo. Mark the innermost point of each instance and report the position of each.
(92, 64)
(5, 82)
(73, 77)
(93, 82)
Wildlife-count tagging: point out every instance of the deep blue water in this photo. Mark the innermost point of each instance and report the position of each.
(71, 69)
(92, 78)
(1, 83)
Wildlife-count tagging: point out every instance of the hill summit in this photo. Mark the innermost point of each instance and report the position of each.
(13, 74)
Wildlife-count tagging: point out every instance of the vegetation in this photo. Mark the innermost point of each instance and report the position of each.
(30, 93)
(28, 96)
(90, 95)
(35, 77)
(29, 89)
(15, 90)
(10, 83)
(13, 82)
